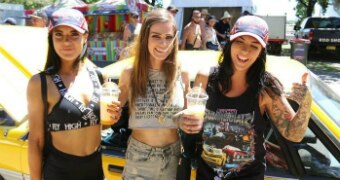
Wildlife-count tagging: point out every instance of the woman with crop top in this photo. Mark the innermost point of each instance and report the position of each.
(240, 91)
(65, 144)
(154, 88)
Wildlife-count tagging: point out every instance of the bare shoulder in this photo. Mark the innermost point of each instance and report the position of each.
(34, 83)
(125, 76)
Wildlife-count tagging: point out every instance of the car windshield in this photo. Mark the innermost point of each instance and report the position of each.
(323, 23)
(326, 98)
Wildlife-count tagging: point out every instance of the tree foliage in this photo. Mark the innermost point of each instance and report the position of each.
(29, 4)
(155, 3)
(305, 8)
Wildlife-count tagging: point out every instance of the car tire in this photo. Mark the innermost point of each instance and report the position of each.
(1, 178)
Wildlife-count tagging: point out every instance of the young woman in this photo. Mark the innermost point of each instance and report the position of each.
(64, 139)
(154, 87)
(210, 37)
(240, 92)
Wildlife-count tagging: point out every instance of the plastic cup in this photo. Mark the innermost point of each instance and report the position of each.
(196, 101)
(109, 92)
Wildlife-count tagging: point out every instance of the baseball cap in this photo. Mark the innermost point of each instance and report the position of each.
(40, 14)
(252, 26)
(211, 17)
(172, 8)
(134, 14)
(68, 17)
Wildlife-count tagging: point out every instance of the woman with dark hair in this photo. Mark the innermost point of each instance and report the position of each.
(63, 110)
(154, 88)
(240, 92)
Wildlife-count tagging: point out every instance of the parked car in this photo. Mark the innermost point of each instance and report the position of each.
(322, 32)
(317, 156)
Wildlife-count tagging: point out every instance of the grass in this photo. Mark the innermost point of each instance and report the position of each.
(322, 66)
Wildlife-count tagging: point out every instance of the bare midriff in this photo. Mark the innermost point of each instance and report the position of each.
(156, 137)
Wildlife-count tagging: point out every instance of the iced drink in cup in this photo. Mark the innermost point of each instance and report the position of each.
(109, 93)
(196, 101)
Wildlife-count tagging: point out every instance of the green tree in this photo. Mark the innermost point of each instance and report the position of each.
(305, 8)
(29, 4)
(155, 3)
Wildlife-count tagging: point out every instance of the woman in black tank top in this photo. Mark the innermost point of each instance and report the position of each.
(240, 91)
(69, 110)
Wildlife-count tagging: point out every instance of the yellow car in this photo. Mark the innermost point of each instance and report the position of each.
(317, 156)
(213, 155)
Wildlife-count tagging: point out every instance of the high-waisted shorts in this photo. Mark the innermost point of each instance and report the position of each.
(150, 163)
(59, 165)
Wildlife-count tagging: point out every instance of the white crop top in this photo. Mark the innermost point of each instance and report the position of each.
(155, 110)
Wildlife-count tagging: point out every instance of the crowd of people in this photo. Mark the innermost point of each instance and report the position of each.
(63, 100)
(204, 31)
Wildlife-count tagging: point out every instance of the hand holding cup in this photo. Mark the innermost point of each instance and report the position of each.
(110, 110)
(192, 119)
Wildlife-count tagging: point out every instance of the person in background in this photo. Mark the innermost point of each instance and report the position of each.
(64, 140)
(172, 9)
(240, 92)
(132, 29)
(39, 18)
(192, 35)
(10, 21)
(203, 22)
(211, 41)
(154, 88)
(223, 28)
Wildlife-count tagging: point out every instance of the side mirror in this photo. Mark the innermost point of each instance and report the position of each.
(297, 27)
(3, 114)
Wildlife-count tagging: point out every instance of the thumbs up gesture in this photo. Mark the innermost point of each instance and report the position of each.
(299, 90)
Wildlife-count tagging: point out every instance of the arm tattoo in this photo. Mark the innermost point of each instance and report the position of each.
(292, 128)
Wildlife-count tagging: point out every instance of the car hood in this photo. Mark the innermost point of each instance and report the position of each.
(23, 53)
(285, 69)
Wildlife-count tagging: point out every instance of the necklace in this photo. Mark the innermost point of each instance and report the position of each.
(161, 118)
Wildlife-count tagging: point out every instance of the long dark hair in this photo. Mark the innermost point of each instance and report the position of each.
(257, 76)
(53, 62)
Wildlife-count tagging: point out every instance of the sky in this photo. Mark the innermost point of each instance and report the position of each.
(275, 7)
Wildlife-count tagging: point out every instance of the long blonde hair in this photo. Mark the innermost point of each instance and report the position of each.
(139, 75)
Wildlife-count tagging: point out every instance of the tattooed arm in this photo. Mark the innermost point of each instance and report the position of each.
(292, 125)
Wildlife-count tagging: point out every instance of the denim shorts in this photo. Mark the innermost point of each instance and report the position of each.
(144, 162)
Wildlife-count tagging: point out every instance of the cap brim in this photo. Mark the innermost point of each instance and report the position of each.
(225, 17)
(72, 26)
(259, 39)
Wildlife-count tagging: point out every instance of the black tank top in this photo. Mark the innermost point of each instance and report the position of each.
(69, 113)
(233, 131)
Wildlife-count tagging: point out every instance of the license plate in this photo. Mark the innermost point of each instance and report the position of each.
(332, 48)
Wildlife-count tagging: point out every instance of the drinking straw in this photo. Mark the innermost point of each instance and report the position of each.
(199, 92)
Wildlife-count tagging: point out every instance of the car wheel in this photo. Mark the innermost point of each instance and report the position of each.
(1, 178)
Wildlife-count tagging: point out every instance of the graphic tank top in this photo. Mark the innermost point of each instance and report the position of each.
(154, 110)
(232, 131)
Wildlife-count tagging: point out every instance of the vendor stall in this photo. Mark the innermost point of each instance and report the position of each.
(106, 19)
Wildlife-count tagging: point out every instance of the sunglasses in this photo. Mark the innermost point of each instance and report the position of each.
(135, 17)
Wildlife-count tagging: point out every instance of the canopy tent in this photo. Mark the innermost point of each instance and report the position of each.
(75, 4)
(104, 7)
(213, 3)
